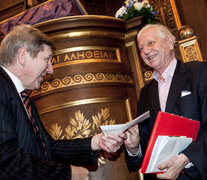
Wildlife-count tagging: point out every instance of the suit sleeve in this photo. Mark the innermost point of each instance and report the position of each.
(134, 163)
(75, 151)
(14, 163)
(196, 151)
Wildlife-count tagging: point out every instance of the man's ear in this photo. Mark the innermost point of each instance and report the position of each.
(22, 56)
(170, 42)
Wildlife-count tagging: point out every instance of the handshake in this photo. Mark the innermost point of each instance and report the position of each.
(112, 138)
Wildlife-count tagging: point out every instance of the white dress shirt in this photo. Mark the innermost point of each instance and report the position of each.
(164, 87)
(18, 84)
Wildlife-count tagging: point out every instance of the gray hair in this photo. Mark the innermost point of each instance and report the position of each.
(22, 36)
(163, 31)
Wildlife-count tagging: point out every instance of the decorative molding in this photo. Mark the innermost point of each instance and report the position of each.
(80, 122)
(176, 14)
(80, 127)
(89, 101)
(5, 5)
(148, 76)
(78, 79)
(128, 109)
(167, 14)
(190, 50)
(87, 33)
(85, 54)
(137, 62)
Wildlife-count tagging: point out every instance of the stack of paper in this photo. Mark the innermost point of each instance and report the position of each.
(166, 147)
(170, 135)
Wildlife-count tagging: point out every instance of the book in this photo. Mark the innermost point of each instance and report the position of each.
(170, 135)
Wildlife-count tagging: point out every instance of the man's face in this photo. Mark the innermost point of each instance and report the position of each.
(155, 50)
(36, 68)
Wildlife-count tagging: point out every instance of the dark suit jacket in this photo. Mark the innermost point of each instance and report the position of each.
(21, 155)
(191, 77)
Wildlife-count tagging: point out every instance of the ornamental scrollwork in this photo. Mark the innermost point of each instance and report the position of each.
(79, 79)
(190, 53)
(148, 75)
(165, 14)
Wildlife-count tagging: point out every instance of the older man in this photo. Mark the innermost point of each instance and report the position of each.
(164, 92)
(26, 150)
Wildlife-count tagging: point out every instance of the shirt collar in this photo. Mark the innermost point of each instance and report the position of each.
(168, 72)
(18, 84)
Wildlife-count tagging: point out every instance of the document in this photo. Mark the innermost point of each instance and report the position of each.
(166, 147)
(117, 128)
(170, 135)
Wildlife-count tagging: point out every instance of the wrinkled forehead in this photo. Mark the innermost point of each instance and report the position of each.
(149, 32)
(148, 36)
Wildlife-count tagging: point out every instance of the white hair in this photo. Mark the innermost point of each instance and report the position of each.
(163, 31)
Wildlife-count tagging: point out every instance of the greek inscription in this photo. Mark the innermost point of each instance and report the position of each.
(96, 55)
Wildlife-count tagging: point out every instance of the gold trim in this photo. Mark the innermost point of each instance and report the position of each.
(190, 44)
(89, 101)
(78, 79)
(187, 44)
(188, 41)
(83, 48)
(138, 66)
(141, 176)
(82, 17)
(176, 14)
(148, 75)
(131, 35)
(81, 127)
(82, 61)
(128, 109)
(118, 55)
(80, 4)
(87, 33)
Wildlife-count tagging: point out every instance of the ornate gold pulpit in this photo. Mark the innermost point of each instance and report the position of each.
(92, 84)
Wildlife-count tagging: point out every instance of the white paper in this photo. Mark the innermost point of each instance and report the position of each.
(117, 128)
(166, 147)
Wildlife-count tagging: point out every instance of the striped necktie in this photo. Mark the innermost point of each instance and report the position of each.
(27, 103)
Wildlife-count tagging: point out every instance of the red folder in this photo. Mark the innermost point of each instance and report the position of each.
(170, 125)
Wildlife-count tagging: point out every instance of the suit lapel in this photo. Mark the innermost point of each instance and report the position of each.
(7, 78)
(11, 84)
(14, 91)
(154, 96)
(177, 84)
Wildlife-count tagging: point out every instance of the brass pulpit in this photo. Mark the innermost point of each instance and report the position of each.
(92, 84)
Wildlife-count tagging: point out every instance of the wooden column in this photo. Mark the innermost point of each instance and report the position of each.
(92, 84)
(132, 28)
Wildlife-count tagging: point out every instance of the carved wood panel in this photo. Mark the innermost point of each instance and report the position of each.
(92, 84)
(11, 8)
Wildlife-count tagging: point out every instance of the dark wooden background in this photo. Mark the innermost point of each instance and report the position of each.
(192, 13)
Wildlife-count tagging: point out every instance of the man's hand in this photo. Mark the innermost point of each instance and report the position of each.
(173, 167)
(79, 173)
(132, 140)
(110, 143)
